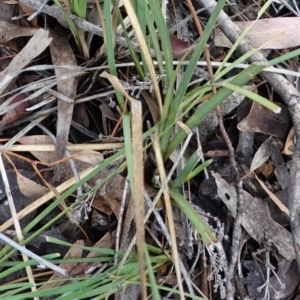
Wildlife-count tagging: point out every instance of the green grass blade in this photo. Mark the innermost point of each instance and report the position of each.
(255, 97)
(154, 42)
(284, 57)
(164, 37)
(239, 80)
(153, 284)
(238, 41)
(198, 170)
(128, 149)
(110, 48)
(188, 173)
(180, 179)
(79, 8)
(70, 22)
(169, 115)
(196, 220)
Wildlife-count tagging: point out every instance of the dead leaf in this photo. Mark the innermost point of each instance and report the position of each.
(290, 142)
(80, 115)
(267, 170)
(261, 119)
(20, 200)
(9, 31)
(258, 224)
(106, 242)
(280, 170)
(29, 188)
(101, 205)
(273, 197)
(36, 45)
(262, 154)
(153, 107)
(74, 252)
(271, 33)
(285, 281)
(179, 47)
(15, 113)
(83, 159)
(28, 11)
(107, 112)
(112, 192)
(62, 55)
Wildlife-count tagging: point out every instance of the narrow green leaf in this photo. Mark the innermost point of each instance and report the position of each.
(70, 22)
(164, 37)
(153, 284)
(203, 229)
(255, 97)
(170, 113)
(237, 43)
(110, 48)
(239, 80)
(199, 169)
(180, 179)
(128, 149)
(283, 57)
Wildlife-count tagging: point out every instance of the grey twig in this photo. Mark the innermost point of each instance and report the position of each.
(37, 258)
(38, 11)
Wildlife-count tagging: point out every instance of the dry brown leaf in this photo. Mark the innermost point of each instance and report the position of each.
(272, 33)
(11, 45)
(74, 252)
(179, 47)
(261, 155)
(289, 143)
(153, 107)
(112, 192)
(89, 156)
(29, 188)
(106, 242)
(80, 115)
(258, 224)
(17, 112)
(101, 205)
(28, 11)
(82, 161)
(9, 31)
(62, 55)
(273, 197)
(36, 45)
(108, 112)
(261, 119)
(267, 170)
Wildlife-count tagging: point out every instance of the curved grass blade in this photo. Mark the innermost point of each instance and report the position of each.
(255, 97)
(239, 80)
(169, 115)
(207, 235)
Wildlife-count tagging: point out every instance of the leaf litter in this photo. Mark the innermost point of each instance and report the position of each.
(99, 212)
